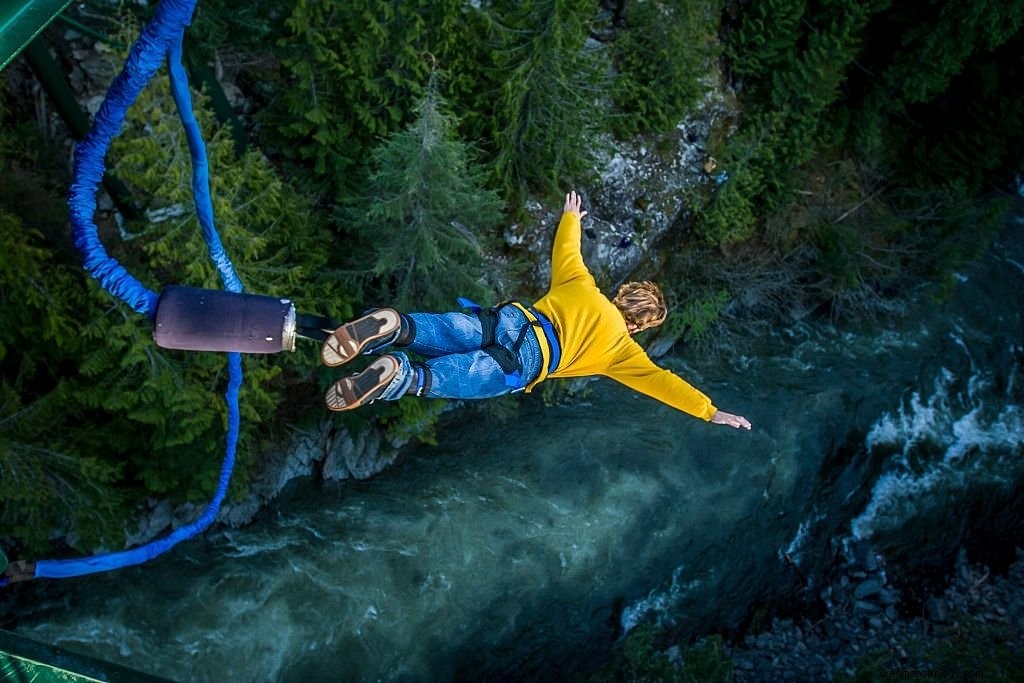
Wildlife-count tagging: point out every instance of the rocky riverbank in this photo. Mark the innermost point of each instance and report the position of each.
(974, 629)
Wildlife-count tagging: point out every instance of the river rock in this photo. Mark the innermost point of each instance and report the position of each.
(867, 588)
(866, 607)
(935, 610)
(296, 460)
(864, 556)
(150, 525)
(886, 597)
(358, 456)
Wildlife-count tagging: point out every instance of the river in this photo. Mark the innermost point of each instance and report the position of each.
(527, 548)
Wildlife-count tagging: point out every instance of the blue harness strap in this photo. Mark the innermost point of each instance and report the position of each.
(469, 305)
(161, 39)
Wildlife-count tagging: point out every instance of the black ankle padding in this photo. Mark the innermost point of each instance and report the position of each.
(407, 334)
(416, 388)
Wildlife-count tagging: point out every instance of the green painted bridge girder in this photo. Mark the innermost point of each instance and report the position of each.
(23, 20)
(23, 659)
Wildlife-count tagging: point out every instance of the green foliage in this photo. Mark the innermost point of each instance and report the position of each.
(246, 25)
(697, 319)
(50, 481)
(425, 215)
(735, 210)
(638, 659)
(270, 231)
(44, 483)
(989, 651)
(406, 420)
(794, 58)
(47, 489)
(505, 408)
(870, 74)
(828, 84)
(765, 41)
(356, 69)
(660, 58)
(732, 214)
(935, 45)
(811, 85)
(706, 661)
(94, 416)
(547, 113)
(972, 133)
(945, 97)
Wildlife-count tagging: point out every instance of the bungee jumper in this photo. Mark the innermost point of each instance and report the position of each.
(572, 331)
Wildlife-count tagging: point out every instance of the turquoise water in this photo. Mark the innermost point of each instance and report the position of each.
(526, 549)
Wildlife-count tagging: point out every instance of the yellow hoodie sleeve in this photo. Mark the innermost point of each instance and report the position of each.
(638, 372)
(566, 257)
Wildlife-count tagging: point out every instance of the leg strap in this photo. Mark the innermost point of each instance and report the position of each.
(421, 383)
(407, 334)
(507, 360)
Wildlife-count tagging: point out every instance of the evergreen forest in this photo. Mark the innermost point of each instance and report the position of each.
(374, 152)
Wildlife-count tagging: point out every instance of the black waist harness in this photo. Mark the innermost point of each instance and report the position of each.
(508, 359)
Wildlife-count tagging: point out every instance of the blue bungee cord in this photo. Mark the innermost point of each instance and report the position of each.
(160, 40)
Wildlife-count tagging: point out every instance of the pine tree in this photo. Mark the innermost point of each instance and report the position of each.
(940, 103)
(547, 111)
(936, 41)
(659, 59)
(48, 482)
(357, 68)
(793, 57)
(765, 41)
(426, 213)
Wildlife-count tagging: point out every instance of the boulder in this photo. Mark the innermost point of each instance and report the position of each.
(359, 456)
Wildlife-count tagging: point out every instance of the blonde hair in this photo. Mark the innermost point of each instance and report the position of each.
(642, 304)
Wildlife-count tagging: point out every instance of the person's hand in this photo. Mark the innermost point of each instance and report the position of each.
(736, 421)
(573, 202)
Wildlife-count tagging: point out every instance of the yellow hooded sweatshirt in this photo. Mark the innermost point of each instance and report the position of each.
(592, 333)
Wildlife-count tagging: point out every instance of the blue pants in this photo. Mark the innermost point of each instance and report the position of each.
(450, 343)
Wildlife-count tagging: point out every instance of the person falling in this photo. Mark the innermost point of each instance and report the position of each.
(572, 331)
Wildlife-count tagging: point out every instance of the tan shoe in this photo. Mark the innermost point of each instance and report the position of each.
(349, 340)
(351, 392)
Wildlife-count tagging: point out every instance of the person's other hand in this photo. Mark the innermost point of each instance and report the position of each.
(736, 421)
(573, 202)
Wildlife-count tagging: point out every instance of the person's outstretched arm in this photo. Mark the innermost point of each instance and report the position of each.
(737, 421)
(566, 258)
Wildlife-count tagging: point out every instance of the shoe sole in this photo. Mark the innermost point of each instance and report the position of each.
(349, 393)
(349, 340)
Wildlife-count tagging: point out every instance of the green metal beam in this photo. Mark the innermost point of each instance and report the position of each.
(23, 659)
(23, 20)
(63, 98)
